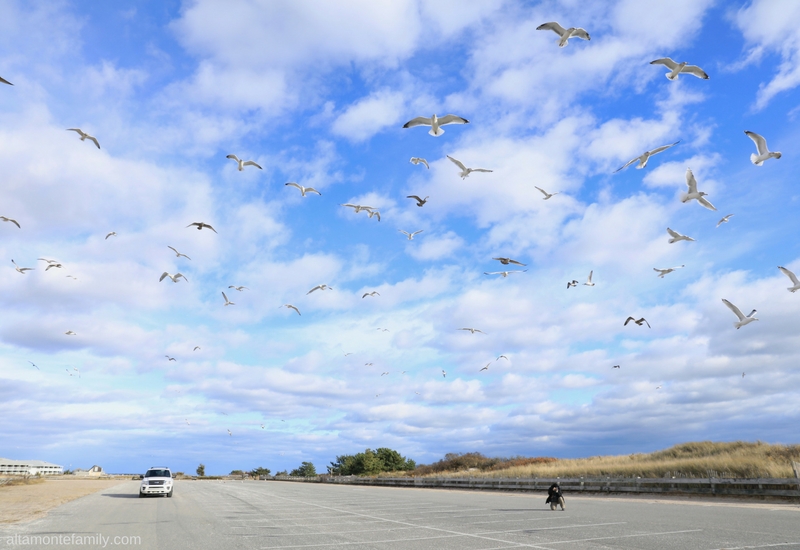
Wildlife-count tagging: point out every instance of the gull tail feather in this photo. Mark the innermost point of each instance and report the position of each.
(754, 159)
(437, 133)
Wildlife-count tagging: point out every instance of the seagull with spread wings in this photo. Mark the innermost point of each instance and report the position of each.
(243, 163)
(373, 293)
(724, 220)
(418, 160)
(178, 254)
(21, 269)
(420, 202)
(678, 68)
(201, 225)
(410, 235)
(662, 272)
(792, 277)
(465, 172)
(173, 277)
(504, 274)
(694, 194)
(677, 236)
(644, 157)
(227, 302)
(472, 330)
(506, 261)
(15, 222)
(435, 123)
(112, 234)
(761, 146)
(84, 136)
(290, 306)
(743, 320)
(239, 288)
(303, 190)
(639, 322)
(589, 280)
(546, 194)
(320, 287)
(564, 34)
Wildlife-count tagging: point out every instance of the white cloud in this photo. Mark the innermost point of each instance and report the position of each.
(370, 115)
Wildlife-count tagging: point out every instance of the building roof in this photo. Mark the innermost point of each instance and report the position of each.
(35, 463)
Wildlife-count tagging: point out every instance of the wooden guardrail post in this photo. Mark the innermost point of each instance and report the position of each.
(796, 468)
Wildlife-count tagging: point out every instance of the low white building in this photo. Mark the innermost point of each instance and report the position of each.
(29, 467)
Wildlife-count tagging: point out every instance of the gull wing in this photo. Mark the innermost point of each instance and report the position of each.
(4, 81)
(178, 275)
(761, 143)
(293, 184)
(696, 71)
(80, 132)
(515, 262)
(580, 33)
(545, 193)
(211, 228)
(675, 234)
(94, 139)
(789, 274)
(417, 232)
(628, 320)
(705, 202)
(666, 61)
(723, 220)
(226, 298)
(734, 309)
(457, 163)
(625, 166)
(480, 170)
(690, 181)
(589, 280)
(163, 275)
(251, 163)
(419, 121)
(452, 119)
(664, 147)
(552, 26)
(15, 222)
(234, 157)
(312, 190)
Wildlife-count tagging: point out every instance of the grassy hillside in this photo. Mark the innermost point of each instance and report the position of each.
(737, 459)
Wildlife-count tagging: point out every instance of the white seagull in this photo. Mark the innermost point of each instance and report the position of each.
(724, 220)
(503, 273)
(506, 261)
(435, 123)
(358, 207)
(201, 225)
(173, 277)
(303, 190)
(473, 330)
(662, 272)
(319, 287)
(243, 163)
(742, 319)
(418, 160)
(486, 367)
(15, 222)
(573, 282)
(170, 358)
(646, 156)
(677, 68)
(761, 146)
(564, 34)
(589, 280)
(227, 302)
(637, 321)
(373, 294)
(375, 213)
(84, 135)
(677, 236)
(239, 288)
(410, 235)
(546, 194)
(112, 234)
(792, 277)
(693, 193)
(444, 373)
(420, 202)
(70, 333)
(178, 254)
(290, 306)
(465, 172)
(21, 269)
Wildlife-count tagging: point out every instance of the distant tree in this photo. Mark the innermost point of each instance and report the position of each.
(281, 473)
(370, 463)
(201, 470)
(237, 472)
(178, 474)
(256, 472)
(306, 469)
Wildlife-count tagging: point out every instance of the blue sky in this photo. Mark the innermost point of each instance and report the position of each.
(318, 94)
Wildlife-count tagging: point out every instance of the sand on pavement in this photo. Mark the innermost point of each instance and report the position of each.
(19, 503)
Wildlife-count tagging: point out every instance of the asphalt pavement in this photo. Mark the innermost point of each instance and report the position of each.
(217, 515)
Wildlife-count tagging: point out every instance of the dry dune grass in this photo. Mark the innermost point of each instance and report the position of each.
(737, 459)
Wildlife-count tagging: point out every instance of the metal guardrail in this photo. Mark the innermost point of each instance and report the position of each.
(789, 487)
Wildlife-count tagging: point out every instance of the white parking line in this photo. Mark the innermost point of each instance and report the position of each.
(550, 528)
(761, 546)
(630, 536)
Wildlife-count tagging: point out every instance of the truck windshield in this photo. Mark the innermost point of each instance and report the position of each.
(157, 473)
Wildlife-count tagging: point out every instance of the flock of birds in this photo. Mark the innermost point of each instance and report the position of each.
(436, 123)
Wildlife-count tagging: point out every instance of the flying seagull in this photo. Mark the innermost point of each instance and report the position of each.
(761, 146)
(358, 207)
(173, 277)
(4, 81)
(504, 273)
(53, 264)
(243, 163)
(410, 235)
(229, 433)
(564, 34)
(486, 367)
(662, 272)
(21, 269)
(589, 280)
(792, 277)
(546, 194)
(693, 193)
(239, 288)
(418, 160)
(573, 282)
(677, 236)
(724, 220)
(170, 358)
(444, 373)
(196, 348)
(84, 136)
(382, 329)
(465, 172)
(178, 254)
(15, 222)
(615, 367)
(646, 156)
(374, 213)
(70, 333)
(420, 202)
(112, 234)
(34, 364)
(319, 287)
(506, 261)
(201, 225)
(373, 293)
(637, 321)
(677, 68)
(472, 330)
(290, 306)
(227, 302)
(435, 123)
(742, 319)
(303, 190)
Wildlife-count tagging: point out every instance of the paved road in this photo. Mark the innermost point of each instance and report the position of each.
(206, 515)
